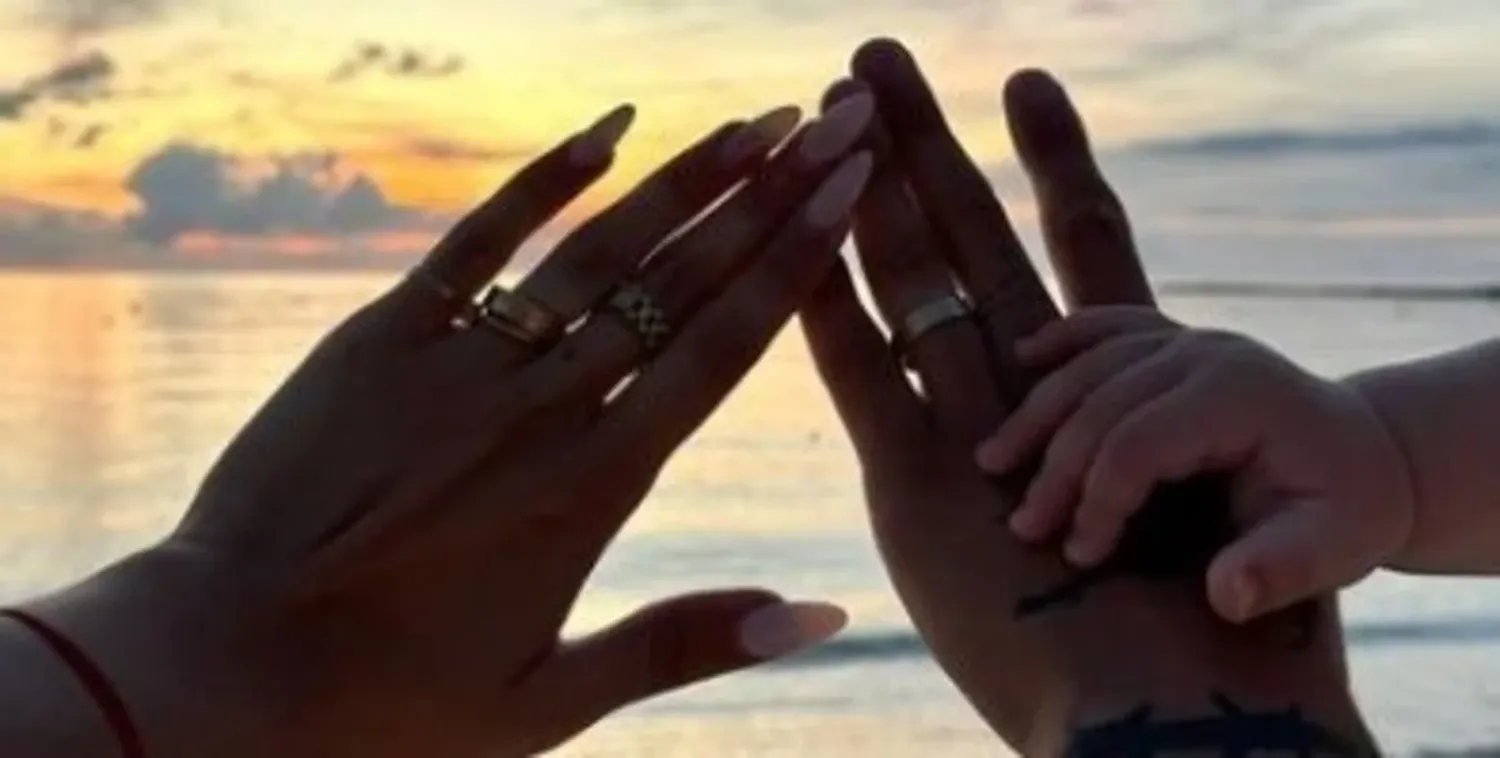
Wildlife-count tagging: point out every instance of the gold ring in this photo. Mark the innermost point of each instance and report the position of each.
(642, 313)
(518, 316)
(924, 318)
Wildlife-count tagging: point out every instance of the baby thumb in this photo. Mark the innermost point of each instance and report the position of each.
(1300, 551)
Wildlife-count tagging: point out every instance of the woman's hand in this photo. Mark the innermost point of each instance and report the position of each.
(1038, 649)
(381, 563)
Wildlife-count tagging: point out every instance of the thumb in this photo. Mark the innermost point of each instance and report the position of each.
(1301, 551)
(669, 645)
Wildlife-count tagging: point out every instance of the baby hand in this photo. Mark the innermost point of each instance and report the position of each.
(1320, 486)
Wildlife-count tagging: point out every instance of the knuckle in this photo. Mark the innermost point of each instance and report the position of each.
(1068, 454)
(1085, 200)
(1125, 453)
(722, 349)
(1055, 396)
(1110, 477)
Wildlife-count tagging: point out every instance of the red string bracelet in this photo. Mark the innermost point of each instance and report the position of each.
(93, 680)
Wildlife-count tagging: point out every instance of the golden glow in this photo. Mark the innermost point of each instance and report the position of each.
(253, 80)
(525, 87)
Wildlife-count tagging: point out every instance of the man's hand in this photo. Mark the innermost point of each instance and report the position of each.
(1038, 649)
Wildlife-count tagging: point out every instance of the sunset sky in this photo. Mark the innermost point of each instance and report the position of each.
(182, 128)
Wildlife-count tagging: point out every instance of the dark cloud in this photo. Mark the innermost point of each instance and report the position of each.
(13, 103)
(90, 136)
(79, 81)
(80, 136)
(1256, 143)
(75, 19)
(185, 187)
(395, 61)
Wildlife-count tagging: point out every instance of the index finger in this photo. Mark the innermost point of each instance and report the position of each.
(473, 252)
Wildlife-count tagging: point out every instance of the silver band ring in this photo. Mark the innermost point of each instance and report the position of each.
(924, 318)
(518, 316)
(641, 312)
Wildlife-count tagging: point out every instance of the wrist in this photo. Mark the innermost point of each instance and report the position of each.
(154, 624)
(1216, 723)
(48, 711)
(1166, 653)
(1370, 390)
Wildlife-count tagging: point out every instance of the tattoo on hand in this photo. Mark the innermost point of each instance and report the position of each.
(1173, 538)
(1234, 732)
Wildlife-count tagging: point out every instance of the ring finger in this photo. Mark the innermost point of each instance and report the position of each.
(915, 294)
(684, 274)
(598, 255)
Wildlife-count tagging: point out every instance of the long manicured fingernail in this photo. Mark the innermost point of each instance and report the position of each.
(761, 135)
(838, 129)
(840, 191)
(783, 628)
(596, 144)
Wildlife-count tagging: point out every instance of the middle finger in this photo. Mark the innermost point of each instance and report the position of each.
(906, 274)
(597, 255)
(677, 280)
(957, 198)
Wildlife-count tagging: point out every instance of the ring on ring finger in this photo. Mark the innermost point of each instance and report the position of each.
(924, 318)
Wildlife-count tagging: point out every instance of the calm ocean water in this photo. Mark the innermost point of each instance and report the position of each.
(117, 390)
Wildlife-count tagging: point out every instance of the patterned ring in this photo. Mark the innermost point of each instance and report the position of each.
(518, 316)
(924, 318)
(641, 312)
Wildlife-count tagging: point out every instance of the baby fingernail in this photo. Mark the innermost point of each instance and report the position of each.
(783, 628)
(1080, 552)
(992, 456)
(839, 192)
(761, 135)
(1245, 595)
(838, 129)
(596, 145)
(1024, 523)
